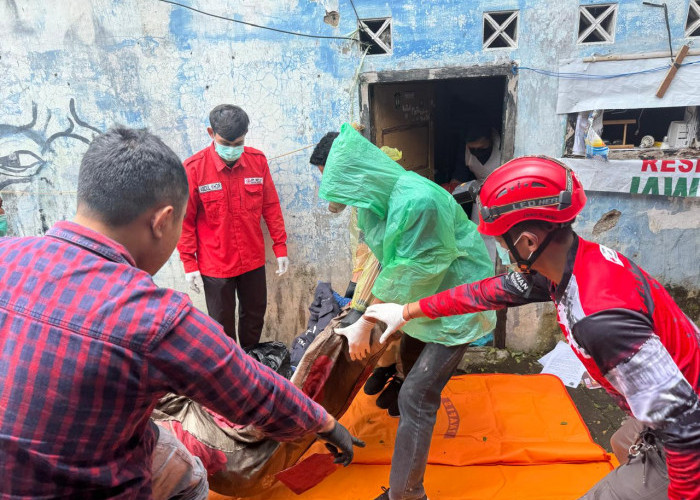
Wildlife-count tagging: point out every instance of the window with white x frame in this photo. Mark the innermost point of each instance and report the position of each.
(692, 25)
(501, 29)
(375, 36)
(596, 23)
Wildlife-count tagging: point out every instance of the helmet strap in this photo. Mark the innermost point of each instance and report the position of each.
(524, 265)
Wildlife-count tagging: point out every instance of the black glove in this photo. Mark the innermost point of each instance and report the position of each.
(350, 290)
(340, 439)
(350, 318)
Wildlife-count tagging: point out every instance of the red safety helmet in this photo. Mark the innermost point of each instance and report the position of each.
(529, 188)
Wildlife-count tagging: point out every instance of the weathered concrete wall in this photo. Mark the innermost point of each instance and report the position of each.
(71, 69)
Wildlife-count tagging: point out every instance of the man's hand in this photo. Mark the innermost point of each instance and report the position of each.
(282, 265)
(390, 314)
(358, 335)
(193, 279)
(340, 443)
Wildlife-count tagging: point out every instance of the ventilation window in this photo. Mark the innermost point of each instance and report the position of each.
(596, 23)
(501, 29)
(375, 36)
(692, 25)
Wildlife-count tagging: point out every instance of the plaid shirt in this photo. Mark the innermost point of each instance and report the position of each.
(88, 343)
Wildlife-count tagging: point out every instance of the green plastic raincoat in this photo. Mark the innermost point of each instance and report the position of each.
(421, 236)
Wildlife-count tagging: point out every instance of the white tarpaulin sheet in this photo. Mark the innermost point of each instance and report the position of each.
(627, 92)
(672, 177)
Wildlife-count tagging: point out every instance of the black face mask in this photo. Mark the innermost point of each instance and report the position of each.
(481, 154)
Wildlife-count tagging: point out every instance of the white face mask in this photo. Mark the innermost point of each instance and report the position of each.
(505, 256)
(537, 241)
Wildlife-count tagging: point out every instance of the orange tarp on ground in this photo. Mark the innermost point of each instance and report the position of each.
(496, 437)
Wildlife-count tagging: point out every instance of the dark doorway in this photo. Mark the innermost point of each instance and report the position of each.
(429, 114)
(431, 122)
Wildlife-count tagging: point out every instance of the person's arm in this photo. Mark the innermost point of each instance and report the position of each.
(272, 213)
(633, 360)
(505, 290)
(195, 358)
(187, 246)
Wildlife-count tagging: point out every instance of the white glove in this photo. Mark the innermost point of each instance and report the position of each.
(358, 335)
(391, 314)
(282, 265)
(192, 279)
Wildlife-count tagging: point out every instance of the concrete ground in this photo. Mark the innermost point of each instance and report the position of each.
(599, 412)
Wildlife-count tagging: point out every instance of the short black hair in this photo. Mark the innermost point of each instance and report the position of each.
(127, 171)
(229, 121)
(322, 149)
(476, 129)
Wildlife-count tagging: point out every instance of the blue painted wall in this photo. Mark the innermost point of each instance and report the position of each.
(148, 63)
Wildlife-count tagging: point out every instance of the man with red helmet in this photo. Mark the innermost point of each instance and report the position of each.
(620, 322)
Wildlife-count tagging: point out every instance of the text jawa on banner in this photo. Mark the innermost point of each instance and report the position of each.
(667, 177)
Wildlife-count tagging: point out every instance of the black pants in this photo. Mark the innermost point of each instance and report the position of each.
(419, 401)
(251, 290)
(409, 350)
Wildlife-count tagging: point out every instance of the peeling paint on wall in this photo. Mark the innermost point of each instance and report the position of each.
(606, 222)
(660, 220)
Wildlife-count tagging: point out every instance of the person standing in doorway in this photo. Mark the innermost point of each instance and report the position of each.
(480, 154)
(222, 241)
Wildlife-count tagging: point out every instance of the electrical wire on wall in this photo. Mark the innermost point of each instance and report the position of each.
(294, 33)
(586, 76)
(18, 192)
(353, 37)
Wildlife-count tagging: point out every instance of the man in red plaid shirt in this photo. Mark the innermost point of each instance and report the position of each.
(88, 344)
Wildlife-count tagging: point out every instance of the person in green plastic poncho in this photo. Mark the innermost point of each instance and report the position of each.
(425, 244)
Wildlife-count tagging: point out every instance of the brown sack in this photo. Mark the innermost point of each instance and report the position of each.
(239, 461)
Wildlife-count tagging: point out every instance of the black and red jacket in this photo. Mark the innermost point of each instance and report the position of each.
(628, 332)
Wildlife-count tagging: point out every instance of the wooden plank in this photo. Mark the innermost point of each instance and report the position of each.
(629, 121)
(403, 119)
(672, 72)
(622, 146)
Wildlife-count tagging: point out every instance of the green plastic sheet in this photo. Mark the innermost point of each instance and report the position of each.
(421, 236)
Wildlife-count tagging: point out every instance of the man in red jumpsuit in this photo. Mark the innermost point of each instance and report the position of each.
(620, 322)
(222, 241)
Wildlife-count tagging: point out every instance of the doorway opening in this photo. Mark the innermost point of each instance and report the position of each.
(446, 127)
(439, 119)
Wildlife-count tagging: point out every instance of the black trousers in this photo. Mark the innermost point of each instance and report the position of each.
(251, 290)
(409, 351)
